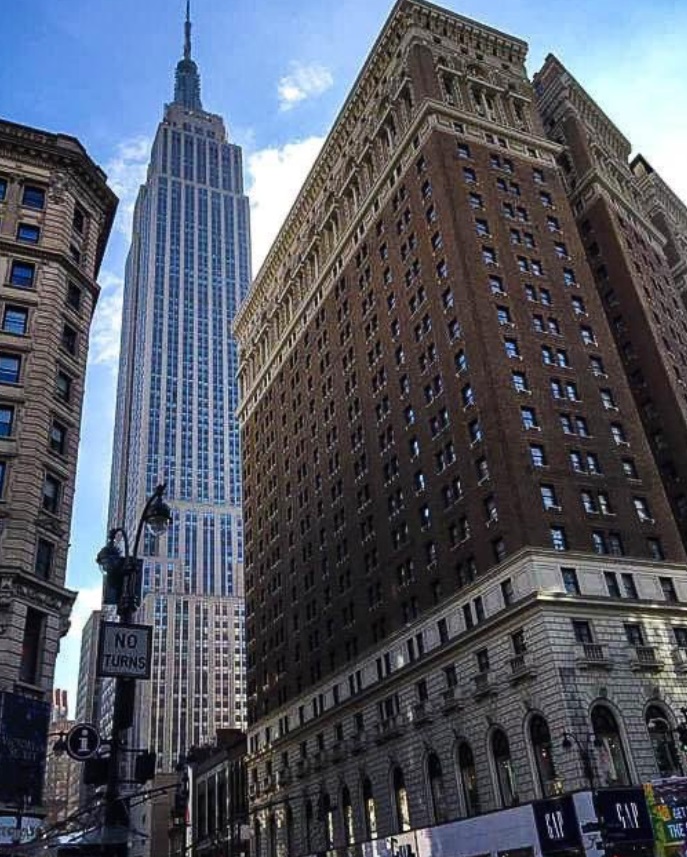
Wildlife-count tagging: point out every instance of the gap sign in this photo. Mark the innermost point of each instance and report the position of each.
(124, 650)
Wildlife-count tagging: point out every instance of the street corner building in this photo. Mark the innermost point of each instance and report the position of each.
(56, 213)
(465, 576)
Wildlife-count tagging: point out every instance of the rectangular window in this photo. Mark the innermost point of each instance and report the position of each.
(68, 341)
(78, 220)
(633, 634)
(29, 668)
(15, 320)
(529, 418)
(537, 455)
(611, 580)
(33, 197)
(548, 497)
(507, 591)
(482, 660)
(3, 474)
(63, 386)
(582, 631)
(10, 368)
(668, 589)
(74, 296)
(6, 420)
(22, 274)
(559, 541)
(629, 588)
(680, 634)
(570, 581)
(51, 494)
(58, 438)
(3, 189)
(45, 553)
(28, 233)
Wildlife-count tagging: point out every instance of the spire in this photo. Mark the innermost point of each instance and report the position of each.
(186, 78)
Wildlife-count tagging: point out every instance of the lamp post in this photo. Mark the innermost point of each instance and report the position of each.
(123, 585)
(569, 739)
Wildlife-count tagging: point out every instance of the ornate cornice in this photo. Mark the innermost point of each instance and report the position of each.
(34, 592)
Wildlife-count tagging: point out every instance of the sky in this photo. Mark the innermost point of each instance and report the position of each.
(278, 71)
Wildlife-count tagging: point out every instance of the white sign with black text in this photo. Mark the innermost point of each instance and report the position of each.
(124, 650)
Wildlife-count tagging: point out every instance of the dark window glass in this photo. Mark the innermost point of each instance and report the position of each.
(3, 189)
(22, 274)
(31, 647)
(69, 339)
(51, 494)
(582, 630)
(45, 552)
(58, 438)
(73, 296)
(78, 220)
(15, 320)
(63, 386)
(9, 369)
(33, 197)
(3, 473)
(570, 581)
(28, 232)
(6, 420)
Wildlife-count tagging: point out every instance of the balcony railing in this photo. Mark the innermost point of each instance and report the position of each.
(646, 658)
(521, 667)
(451, 700)
(421, 713)
(592, 656)
(484, 685)
(388, 728)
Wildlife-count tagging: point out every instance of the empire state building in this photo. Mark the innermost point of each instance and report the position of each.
(187, 271)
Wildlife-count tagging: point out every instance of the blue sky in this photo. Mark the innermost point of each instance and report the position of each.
(278, 72)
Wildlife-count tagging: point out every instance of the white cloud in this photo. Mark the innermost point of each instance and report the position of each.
(126, 172)
(275, 177)
(107, 322)
(303, 81)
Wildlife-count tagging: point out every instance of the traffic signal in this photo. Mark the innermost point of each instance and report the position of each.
(682, 736)
(144, 767)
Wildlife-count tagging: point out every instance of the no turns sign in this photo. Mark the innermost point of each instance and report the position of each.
(124, 650)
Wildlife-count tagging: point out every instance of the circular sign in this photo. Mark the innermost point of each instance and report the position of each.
(83, 741)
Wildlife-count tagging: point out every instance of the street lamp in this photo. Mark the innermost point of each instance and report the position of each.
(585, 757)
(123, 585)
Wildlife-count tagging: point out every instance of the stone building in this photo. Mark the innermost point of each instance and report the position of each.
(464, 583)
(633, 231)
(56, 213)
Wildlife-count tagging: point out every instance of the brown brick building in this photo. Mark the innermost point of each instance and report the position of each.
(633, 230)
(56, 213)
(449, 497)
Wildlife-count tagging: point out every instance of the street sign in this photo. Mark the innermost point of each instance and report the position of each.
(83, 741)
(124, 650)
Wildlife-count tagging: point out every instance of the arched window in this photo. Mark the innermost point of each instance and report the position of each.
(468, 779)
(347, 810)
(370, 810)
(436, 789)
(543, 755)
(662, 742)
(401, 801)
(613, 766)
(505, 775)
(308, 825)
(327, 816)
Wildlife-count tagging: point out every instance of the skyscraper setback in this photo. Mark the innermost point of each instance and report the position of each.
(187, 271)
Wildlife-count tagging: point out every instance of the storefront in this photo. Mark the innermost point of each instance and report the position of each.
(667, 803)
(624, 822)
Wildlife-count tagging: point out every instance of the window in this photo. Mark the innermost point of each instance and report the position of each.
(22, 274)
(468, 778)
(529, 418)
(28, 233)
(612, 763)
(537, 455)
(475, 431)
(496, 285)
(655, 548)
(78, 220)
(561, 250)
(511, 347)
(6, 420)
(10, 367)
(628, 586)
(3, 474)
(463, 150)
(482, 228)
(32, 644)
(548, 497)
(578, 306)
(582, 427)
(468, 396)
(587, 335)
(507, 591)
(582, 631)
(618, 434)
(546, 199)
(476, 201)
(45, 553)
(51, 494)
(15, 320)
(611, 581)
(58, 438)
(33, 197)
(547, 354)
(401, 801)
(607, 400)
(562, 358)
(437, 790)
(559, 541)
(469, 175)
(570, 582)
(68, 341)
(658, 724)
(369, 809)
(642, 509)
(599, 544)
(542, 747)
(489, 255)
(482, 657)
(503, 315)
(63, 386)
(3, 189)
(668, 589)
(569, 278)
(505, 773)
(597, 367)
(74, 296)
(680, 634)
(520, 382)
(553, 223)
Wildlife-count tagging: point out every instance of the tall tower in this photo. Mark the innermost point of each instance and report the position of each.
(188, 269)
(457, 538)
